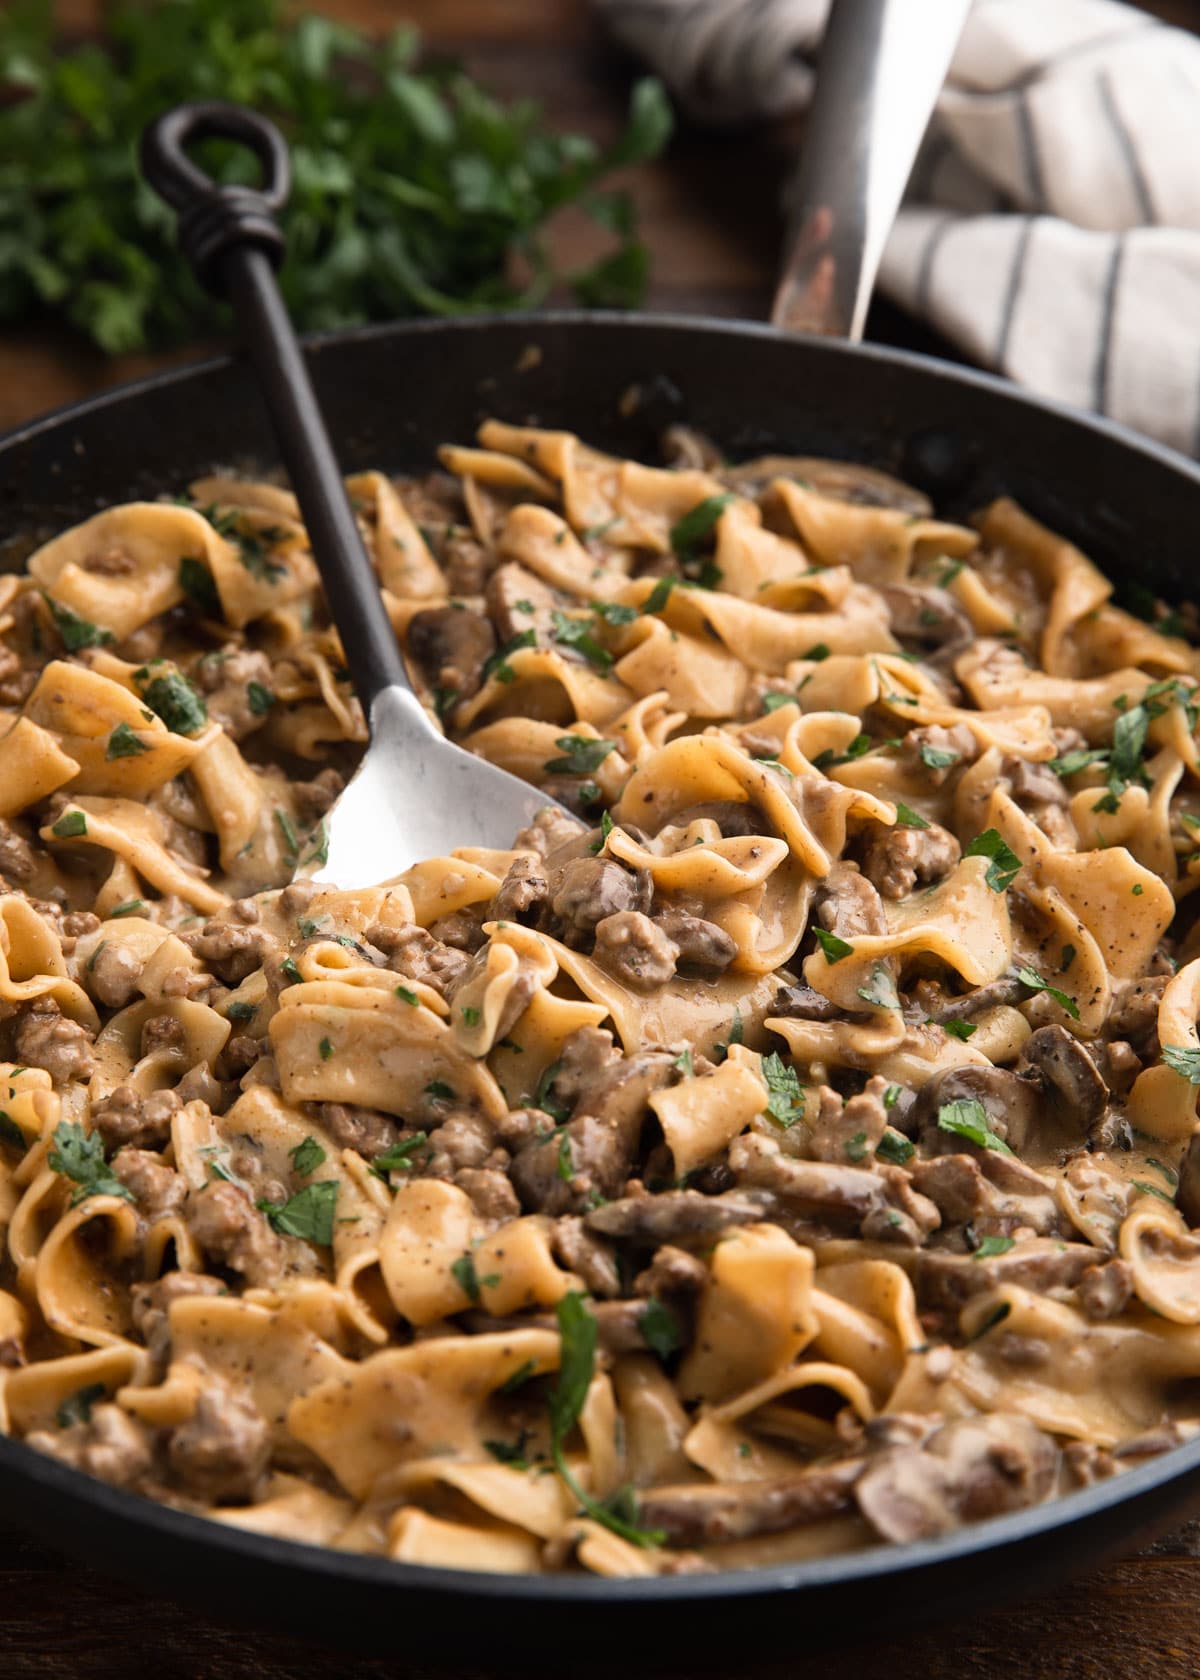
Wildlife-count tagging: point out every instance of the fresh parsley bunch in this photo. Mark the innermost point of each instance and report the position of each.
(415, 192)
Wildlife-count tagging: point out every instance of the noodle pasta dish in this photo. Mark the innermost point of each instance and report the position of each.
(788, 1145)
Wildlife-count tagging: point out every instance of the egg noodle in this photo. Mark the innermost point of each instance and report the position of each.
(787, 1145)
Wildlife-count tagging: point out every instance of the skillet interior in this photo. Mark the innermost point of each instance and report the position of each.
(390, 396)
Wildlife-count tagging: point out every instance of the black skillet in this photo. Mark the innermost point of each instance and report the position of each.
(390, 395)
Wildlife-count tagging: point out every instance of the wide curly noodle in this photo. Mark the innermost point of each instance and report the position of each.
(792, 1150)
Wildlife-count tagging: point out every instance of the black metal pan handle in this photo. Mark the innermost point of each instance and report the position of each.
(882, 66)
(231, 238)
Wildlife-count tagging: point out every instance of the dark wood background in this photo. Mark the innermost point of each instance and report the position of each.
(709, 215)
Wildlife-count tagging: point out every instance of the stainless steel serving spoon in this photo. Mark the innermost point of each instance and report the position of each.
(415, 794)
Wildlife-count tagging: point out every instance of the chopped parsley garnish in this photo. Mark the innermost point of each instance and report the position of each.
(467, 1278)
(1031, 978)
(577, 633)
(307, 925)
(894, 1147)
(906, 817)
(969, 1119)
(833, 945)
(960, 1029)
(240, 1010)
(407, 996)
(253, 548)
(123, 743)
(689, 533)
(197, 584)
(775, 698)
(659, 595)
(519, 1378)
(439, 1091)
(1067, 958)
(937, 758)
(497, 664)
(1070, 764)
(319, 850)
(72, 825)
(1005, 864)
(991, 1246)
(583, 757)
(858, 748)
(79, 1156)
(290, 971)
(577, 1335)
(684, 1063)
(660, 1329)
(856, 1146)
(785, 1099)
(613, 613)
(1184, 1060)
(1169, 1173)
(891, 1096)
(325, 1048)
(606, 827)
(542, 1099)
(308, 1214)
(307, 1156)
(287, 832)
(259, 698)
(76, 632)
(77, 1407)
(10, 1132)
(880, 989)
(130, 907)
(566, 1161)
(471, 1016)
(176, 702)
(399, 1157)
(817, 653)
(1152, 1190)
(510, 1452)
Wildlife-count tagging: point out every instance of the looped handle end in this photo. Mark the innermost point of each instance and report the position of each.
(214, 218)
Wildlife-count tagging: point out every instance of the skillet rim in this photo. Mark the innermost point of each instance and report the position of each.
(997, 1536)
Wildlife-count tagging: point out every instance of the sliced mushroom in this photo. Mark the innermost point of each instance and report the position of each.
(1069, 1076)
(718, 1511)
(682, 1217)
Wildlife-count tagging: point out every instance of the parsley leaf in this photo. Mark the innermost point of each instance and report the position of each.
(259, 699)
(1005, 864)
(659, 595)
(399, 1157)
(991, 1246)
(197, 584)
(613, 613)
(937, 758)
(496, 665)
(577, 1358)
(308, 1214)
(77, 1407)
(775, 698)
(968, 1118)
(894, 1147)
(906, 817)
(467, 1278)
(833, 946)
(1183, 1060)
(660, 1328)
(1031, 978)
(176, 702)
(72, 825)
(76, 632)
(583, 755)
(79, 1156)
(960, 1029)
(689, 533)
(307, 1156)
(577, 633)
(130, 907)
(880, 989)
(785, 1099)
(123, 743)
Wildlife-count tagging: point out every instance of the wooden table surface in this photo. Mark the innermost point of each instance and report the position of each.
(709, 215)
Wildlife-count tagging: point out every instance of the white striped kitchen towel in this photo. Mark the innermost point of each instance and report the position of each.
(1052, 224)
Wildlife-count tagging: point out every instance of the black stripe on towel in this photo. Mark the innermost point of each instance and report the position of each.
(1127, 146)
(1012, 290)
(1108, 309)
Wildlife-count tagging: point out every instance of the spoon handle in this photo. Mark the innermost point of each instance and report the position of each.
(231, 238)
